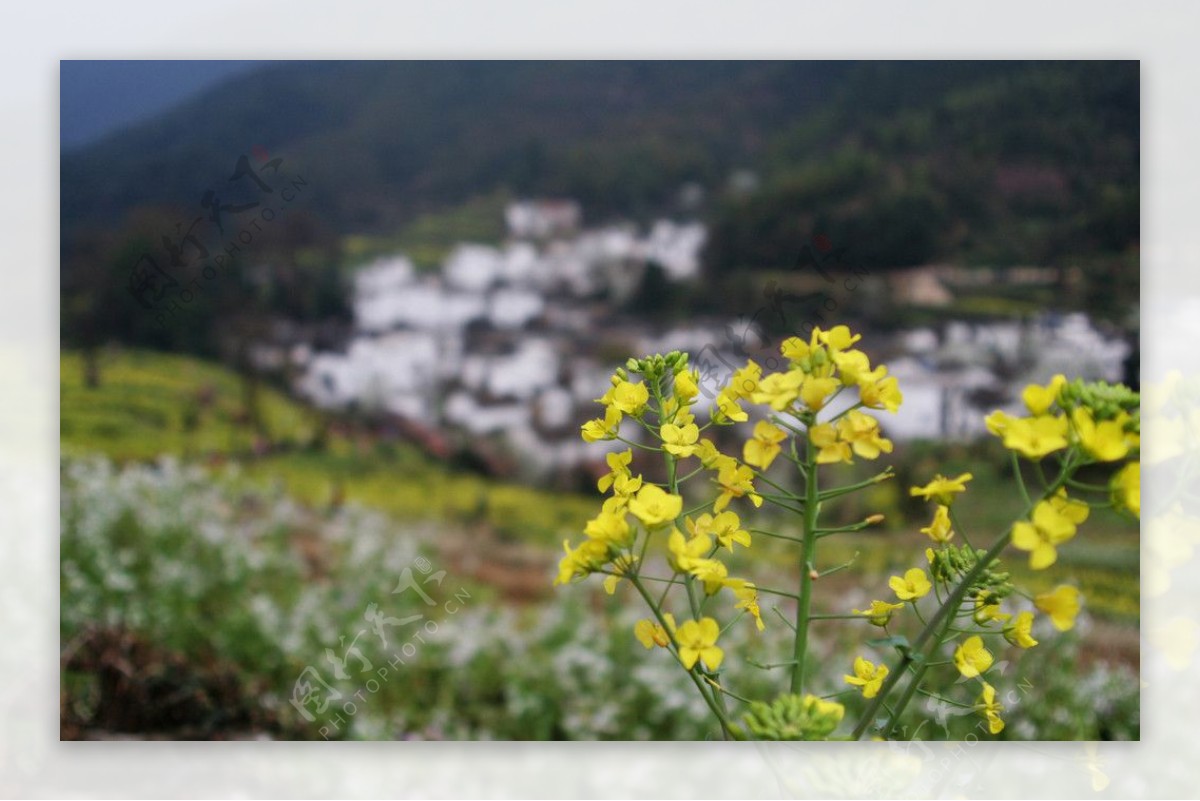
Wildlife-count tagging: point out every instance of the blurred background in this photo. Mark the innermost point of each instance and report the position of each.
(329, 330)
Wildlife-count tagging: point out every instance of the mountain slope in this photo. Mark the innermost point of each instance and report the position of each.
(380, 141)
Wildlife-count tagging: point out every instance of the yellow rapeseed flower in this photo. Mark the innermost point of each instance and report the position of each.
(725, 408)
(655, 506)
(883, 393)
(879, 613)
(1126, 488)
(744, 383)
(939, 529)
(685, 555)
(987, 609)
(651, 633)
(710, 457)
(1104, 441)
(581, 561)
(680, 440)
(830, 447)
(747, 595)
(618, 465)
(762, 449)
(990, 708)
(629, 397)
(861, 431)
(618, 503)
(610, 528)
(713, 573)
(736, 481)
(1074, 510)
(673, 412)
(942, 489)
(1061, 604)
(1035, 437)
(687, 385)
(698, 641)
(1020, 631)
(972, 658)
(868, 676)
(838, 338)
(1049, 528)
(726, 527)
(997, 422)
(779, 390)
(603, 428)
(625, 487)
(853, 366)
(1038, 399)
(795, 349)
(815, 392)
(915, 584)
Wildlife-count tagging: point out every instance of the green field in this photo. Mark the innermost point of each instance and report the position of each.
(151, 404)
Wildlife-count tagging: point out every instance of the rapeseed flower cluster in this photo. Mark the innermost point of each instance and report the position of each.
(661, 404)
(816, 411)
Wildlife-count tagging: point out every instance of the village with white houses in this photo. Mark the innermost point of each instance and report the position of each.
(511, 340)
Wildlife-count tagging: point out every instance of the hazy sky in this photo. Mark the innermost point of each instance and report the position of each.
(99, 97)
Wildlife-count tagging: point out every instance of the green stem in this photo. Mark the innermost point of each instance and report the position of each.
(783, 593)
(662, 598)
(859, 526)
(721, 692)
(842, 566)
(849, 488)
(843, 412)
(1016, 466)
(770, 665)
(804, 606)
(946, 700)
(639, 445)
(1084, 486)
(766, 533)
(787, 495)
(771, 500)
(690, 582)
(956, 526)
(777, 420)
(915, 681)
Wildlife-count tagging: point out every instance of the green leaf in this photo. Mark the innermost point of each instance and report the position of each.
(899, 641)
